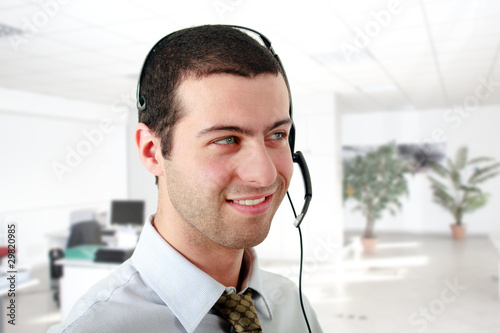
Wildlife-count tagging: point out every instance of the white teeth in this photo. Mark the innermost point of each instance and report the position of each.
(250, 202)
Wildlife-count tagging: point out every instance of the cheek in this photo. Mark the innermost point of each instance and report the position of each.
(284, 166)
(216, 172)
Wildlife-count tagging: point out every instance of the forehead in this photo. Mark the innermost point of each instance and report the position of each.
(227, 97)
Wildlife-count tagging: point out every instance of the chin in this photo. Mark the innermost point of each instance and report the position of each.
(245, 242)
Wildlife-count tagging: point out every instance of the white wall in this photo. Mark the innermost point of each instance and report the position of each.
(475, 129)
(58, 155)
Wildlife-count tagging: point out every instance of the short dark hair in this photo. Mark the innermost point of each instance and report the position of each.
(195, 52)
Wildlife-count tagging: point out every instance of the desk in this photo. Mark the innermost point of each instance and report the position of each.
(59, 239)
(78, 277)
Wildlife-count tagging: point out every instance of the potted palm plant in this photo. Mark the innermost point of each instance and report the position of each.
(455, 186)
(375, 182)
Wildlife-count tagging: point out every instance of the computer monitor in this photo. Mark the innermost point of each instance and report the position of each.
(127, 212)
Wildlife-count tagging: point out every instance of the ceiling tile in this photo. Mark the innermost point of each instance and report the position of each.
(362, 8)
(37, 64)
(451, 11)
(422, 81)
(84, 58)
(464, 30)
(61, 23)
(400, 37)
(460, 67)
(121, 69)
(7, 71)
(8, 51)
(133, 53)
(81, 74)
(461, 9)
(395, 52)
(25, 17)
(12, 4)
(102, 13)
(93, 50)
(356, 102)
(90, 39)
(407, 66)
(144, 31)
(42, 46)
(477, 45)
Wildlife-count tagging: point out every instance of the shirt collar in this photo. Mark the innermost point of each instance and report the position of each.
(172, 277)
(254, 281)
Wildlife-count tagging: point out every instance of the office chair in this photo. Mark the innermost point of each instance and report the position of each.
(81, 233)
(86, 232)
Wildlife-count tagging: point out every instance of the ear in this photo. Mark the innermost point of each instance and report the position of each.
(149, 149)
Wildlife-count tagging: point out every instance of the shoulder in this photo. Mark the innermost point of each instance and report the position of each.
(279, 289)
(283, 299)
(272, 280)
(113, 302)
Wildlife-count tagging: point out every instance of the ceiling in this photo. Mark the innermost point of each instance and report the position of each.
(375, 55)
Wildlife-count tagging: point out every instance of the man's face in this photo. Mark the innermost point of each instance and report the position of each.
(230, 165)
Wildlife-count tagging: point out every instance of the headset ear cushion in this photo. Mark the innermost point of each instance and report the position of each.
(291, 138)
(141, 103)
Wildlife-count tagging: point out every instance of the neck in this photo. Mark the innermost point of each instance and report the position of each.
(223, 264)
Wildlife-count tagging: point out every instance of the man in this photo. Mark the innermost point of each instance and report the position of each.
(213, 128)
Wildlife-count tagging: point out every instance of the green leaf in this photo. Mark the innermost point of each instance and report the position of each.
(461, 158)
(484, 173)
(376, 181)
(439, 169)
(479, 160)
(455, 195)
(486, 177)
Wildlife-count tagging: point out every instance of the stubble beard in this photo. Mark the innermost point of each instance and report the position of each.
(210, 221)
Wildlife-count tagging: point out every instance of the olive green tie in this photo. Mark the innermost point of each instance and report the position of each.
(239, 310)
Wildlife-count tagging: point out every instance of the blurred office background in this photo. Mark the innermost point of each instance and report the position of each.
(363, 73)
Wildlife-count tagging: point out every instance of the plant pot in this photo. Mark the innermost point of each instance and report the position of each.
(369, 245)
(457, 231)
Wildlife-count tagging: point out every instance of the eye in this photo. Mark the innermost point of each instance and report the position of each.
(277, 136)
(227, 140)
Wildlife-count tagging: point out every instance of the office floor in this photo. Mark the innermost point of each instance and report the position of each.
(412, 284)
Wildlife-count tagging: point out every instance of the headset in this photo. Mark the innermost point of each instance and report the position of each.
(297, 156)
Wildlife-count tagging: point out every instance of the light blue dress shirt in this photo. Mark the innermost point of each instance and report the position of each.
(159, 290)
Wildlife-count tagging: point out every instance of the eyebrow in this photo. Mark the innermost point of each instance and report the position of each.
(241, 130)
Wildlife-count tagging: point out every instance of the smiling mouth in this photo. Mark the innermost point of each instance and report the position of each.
(249, 202)
(252, 206)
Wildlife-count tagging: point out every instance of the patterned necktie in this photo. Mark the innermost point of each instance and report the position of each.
(239, 310)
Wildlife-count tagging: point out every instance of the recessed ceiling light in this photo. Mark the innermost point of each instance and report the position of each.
(6, 31)
(404, 107)
(336, 58)
(385, 87)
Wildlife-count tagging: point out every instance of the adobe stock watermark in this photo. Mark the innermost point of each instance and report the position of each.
(224, 6)
(482, 92)
(326, 249)
(455, 116)
(372, 29)
(39, 20)
(421, 318)
(92, 138)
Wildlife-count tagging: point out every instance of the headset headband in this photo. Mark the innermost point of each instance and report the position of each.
(142, 100)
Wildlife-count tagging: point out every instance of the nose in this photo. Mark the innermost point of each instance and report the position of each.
(256, 167)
